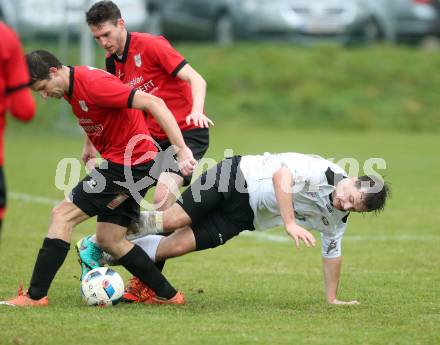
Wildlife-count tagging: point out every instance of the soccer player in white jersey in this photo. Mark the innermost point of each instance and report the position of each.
(261, 192)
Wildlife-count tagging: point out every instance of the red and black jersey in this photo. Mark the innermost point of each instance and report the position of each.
(14, 80)
(101, 103)
(150, 64)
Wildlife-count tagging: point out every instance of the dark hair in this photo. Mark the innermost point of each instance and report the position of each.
(101, 12)
(39, 63)
(375, 192)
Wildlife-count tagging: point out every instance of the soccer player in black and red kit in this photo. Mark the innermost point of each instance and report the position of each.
(102, 104)
(151, 64)
(15, 96)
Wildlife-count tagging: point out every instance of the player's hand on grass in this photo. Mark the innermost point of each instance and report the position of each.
(88, 156)
(199, 119)
(300, 234)
(338, 302)
(186, 161)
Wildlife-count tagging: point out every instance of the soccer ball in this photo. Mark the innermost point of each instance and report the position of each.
(102, 287)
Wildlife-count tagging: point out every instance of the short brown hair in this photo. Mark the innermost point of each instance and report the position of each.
(376, 192)
(39, 63)
(102, 12)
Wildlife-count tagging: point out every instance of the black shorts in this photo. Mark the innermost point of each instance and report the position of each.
(196, 139)
(221, 211)
(98, 194)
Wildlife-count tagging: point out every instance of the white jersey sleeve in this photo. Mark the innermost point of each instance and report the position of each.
(332, 243)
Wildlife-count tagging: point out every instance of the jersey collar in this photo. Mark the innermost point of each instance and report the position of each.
(71, 80)
(333, 179)
(125, 54)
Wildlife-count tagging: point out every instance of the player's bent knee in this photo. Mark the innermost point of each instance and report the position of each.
(160, 198)
(104, 241)
(165, 204)
(59, 213)
(175, 217)
(61, 225)
(108, 243)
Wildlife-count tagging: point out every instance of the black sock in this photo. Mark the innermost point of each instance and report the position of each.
(160, 265)
(137, 262)
(49, 260)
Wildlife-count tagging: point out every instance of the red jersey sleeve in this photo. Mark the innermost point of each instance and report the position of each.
(165, 55)
(19, 100)
(16, 70)
(109, 92)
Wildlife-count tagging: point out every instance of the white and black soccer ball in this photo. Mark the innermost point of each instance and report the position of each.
(102, 287)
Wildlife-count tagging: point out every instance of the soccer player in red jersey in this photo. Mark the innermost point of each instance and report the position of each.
(15, 96)
(149, 63)
(102, 104)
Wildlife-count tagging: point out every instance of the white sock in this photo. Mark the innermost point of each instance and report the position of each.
(150, 222)
(149, 244)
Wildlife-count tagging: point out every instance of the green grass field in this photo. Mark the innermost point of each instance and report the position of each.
(256, 289)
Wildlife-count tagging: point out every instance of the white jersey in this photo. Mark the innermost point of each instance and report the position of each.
(314, 181)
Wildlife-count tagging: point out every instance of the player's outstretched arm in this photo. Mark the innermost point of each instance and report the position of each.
(332, 271)
(157, 107)
(198, 92)
(283, 184)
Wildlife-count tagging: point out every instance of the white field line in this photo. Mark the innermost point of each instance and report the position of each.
(34, 199)
(264, 236)
(257, 235)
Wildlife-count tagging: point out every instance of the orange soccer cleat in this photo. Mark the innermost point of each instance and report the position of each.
(24, 300)
(178, 299)
(136, 291)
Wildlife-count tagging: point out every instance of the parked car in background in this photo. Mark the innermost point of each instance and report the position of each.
(417, 19)
(347, 21)
(221, 20)
(367, 21)
(50, 17)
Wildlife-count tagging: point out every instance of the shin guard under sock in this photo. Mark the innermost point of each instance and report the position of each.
(137, 262)
(49, 260)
